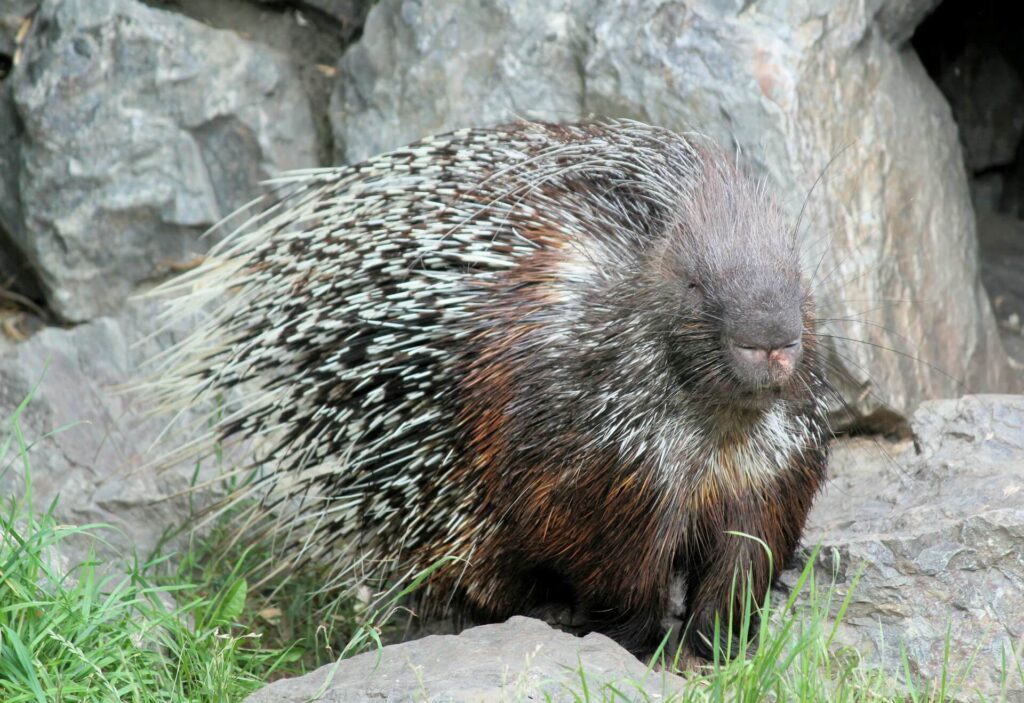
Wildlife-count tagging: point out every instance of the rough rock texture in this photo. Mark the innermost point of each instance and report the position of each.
(803, 89)
(12, 14)
(976, 59)
(15, 272)
(938, 524)
(140, 129)
(89, 440)
(311, 34)
(522, 659)
(1002, 261)
(347, 13)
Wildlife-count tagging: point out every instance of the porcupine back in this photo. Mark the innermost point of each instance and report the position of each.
(363, 311)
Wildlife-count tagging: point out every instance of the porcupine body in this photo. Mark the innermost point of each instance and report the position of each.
(577, 356)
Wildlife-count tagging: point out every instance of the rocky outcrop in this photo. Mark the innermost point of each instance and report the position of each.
(89, 441)
(139, 129)
(132, 129)
(974, 57)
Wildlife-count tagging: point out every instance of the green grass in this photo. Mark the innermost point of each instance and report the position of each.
(85, 632)
(189, 626)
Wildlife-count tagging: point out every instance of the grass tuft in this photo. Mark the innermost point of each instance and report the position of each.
(105, 631)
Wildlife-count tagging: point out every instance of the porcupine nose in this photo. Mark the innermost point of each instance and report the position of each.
(761, 363)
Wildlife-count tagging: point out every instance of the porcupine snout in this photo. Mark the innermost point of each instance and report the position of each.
(766, 363)
(764, 341)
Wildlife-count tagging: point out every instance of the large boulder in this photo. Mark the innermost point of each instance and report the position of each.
(137, 130)
(937, 526)
(822, 98)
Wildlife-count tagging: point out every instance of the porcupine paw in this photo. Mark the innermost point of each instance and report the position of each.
(562, 615)
(701, 633)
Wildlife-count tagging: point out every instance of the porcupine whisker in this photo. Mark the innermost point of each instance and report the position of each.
(841, 402)
(867, 323)
(959, 382)
(839, 371)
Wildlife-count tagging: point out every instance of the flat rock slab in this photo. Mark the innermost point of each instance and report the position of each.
(522, 659)
(90, 442)
(937, 525)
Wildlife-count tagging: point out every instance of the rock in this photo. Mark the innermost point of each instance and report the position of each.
(15, 273)
(522, 659)
(897, 20)
(89, 442)
(938, 526)
(427, 67)
(349, 14)
(986, 195)
(1011, 199)
(1002, 260)
(12, 15)
(140, 129)
(313, 35)
(802, 91)
(986, 95)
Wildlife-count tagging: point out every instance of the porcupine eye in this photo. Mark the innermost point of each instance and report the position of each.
(694, 291)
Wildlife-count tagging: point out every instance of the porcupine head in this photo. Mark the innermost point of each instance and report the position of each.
(730, 299)
(731, 263)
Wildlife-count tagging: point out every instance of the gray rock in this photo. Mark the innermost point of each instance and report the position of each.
(802, 89)
(986, 94)
(986, 194)
(12, 15)
(522, 659)
(897, 19)
(89, 441)
(423, 68)
(141, 128)
(349, 14)
(15, 273)
(1002, 260)
(938, 526)
(1011, 199)
(313, 35)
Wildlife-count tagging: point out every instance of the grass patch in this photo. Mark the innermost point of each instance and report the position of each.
(293, 616)
(189, 626)
(88, 632)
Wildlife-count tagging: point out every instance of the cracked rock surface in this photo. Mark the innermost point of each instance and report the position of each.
(137, 130)
(937, 524)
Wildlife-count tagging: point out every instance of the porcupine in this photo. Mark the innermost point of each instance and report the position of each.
(580, 357)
